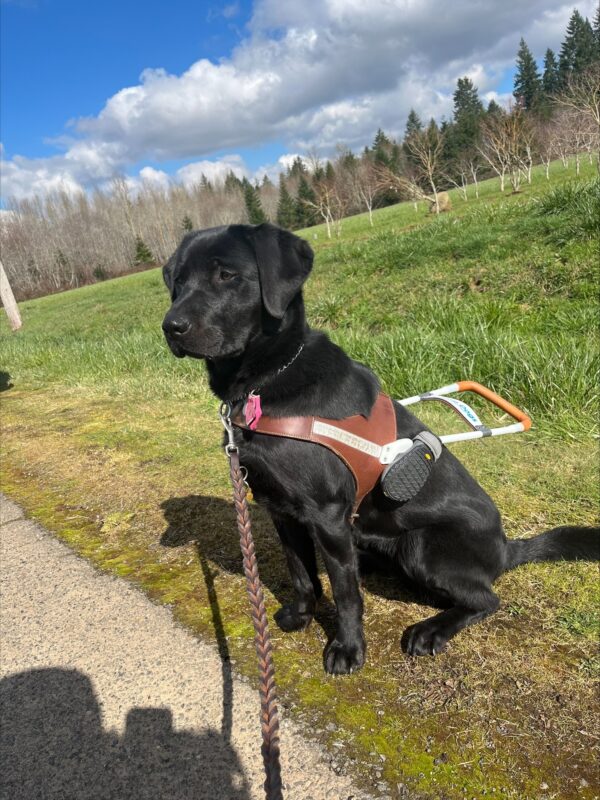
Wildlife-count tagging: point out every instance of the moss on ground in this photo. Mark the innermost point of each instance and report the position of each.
(508, 709)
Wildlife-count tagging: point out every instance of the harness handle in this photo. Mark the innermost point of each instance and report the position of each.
(466, 412)
(488, 394)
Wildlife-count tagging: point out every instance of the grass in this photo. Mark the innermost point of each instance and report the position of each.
(116, 446)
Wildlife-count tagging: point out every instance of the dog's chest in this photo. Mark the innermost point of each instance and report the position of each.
(289, 474)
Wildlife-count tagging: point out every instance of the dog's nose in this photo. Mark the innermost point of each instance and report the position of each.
(176, 326)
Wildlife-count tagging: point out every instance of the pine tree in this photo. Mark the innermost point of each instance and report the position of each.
(466, 100)
(494, 108)
(596, 30)
(528, 85)
(286, 209)
(187, 224)
(306, 214)
(462, 135)
(413, 124)
(142, 252)
(586, 52)
(256, 215)
(232, 182)
(550, 78)
(579, 49)
(381, 148)
(297, 169)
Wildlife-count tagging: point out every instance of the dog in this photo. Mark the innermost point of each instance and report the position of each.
(237, 303)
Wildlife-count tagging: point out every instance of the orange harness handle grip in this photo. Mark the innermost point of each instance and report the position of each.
(516, 413)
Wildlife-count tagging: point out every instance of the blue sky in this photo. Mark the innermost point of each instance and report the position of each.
(61, 59)
(167, 91)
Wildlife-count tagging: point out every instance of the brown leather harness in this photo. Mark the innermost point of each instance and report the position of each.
(357, 440)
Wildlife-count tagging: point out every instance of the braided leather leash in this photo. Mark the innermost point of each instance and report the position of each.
(269, 717)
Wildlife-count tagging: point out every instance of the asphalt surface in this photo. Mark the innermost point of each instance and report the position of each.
(104, 697)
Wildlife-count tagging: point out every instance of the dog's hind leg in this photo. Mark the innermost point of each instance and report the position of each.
(470, 604)
(299, 550)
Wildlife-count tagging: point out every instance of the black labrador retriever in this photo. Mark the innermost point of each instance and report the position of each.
(237, 303)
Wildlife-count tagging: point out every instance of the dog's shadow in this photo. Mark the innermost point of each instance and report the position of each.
(209, 523)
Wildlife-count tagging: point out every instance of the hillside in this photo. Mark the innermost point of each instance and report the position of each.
(115, 446)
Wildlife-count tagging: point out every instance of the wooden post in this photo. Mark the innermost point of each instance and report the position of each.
(8, 301)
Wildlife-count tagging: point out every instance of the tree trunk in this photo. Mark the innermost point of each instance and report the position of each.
(8, 301)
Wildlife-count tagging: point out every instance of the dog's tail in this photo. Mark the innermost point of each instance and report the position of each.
(567, 543)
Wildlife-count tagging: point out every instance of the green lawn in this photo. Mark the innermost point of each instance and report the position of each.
(115, 445)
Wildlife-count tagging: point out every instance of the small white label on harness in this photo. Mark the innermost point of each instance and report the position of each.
(350, 439)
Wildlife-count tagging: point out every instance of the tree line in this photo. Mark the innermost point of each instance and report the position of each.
(62, 241)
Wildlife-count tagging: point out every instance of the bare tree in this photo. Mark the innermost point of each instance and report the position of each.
(546, 139)
(507, 146)
(581, 101)
(426, 149)
(331, 203)
(403, 184)
(361, 183)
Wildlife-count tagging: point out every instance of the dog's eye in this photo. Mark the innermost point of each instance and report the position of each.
(225, 275)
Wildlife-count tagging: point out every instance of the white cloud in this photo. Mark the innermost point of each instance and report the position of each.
(310, 74)
(282, 164)
(214, 171)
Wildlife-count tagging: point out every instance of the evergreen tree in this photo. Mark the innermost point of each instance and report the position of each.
(329, 173)
(395, 157)
(232, 182)
(461, 137)
(413, 124)
(142, 252)
(253, 207)
(306, 214)
(550, 78)
(528, 85)
(579, 49)
(297, 169)
(596, 30)
(587, 51)
(286, 209)
(349, 161)
(494, 108)
(466, 100)
(381, 148)
(187, 224)
(205, 184)
(380, 141)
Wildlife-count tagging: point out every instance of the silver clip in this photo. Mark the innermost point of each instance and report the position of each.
(225, 415)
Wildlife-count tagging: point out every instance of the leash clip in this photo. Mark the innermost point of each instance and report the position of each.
(225, 415)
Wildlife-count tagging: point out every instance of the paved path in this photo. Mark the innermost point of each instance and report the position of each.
(104, 697)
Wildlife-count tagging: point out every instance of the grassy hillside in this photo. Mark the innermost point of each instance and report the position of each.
(115, 445)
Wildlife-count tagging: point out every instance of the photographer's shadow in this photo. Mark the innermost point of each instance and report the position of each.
(54, 746)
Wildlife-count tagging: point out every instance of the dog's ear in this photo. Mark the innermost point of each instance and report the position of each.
(168, 270)
(284, 262)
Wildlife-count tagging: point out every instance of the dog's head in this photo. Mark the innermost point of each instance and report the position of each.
(225, 283)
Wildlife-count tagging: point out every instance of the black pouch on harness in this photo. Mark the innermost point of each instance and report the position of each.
(408, 472)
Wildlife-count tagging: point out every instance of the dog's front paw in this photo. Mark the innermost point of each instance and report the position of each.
(424, 639)
(341, 658)
(290, 619)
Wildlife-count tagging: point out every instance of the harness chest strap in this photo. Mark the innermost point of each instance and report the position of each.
(357, 440)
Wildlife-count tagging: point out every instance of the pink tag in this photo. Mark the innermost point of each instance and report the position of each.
(252, 411)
